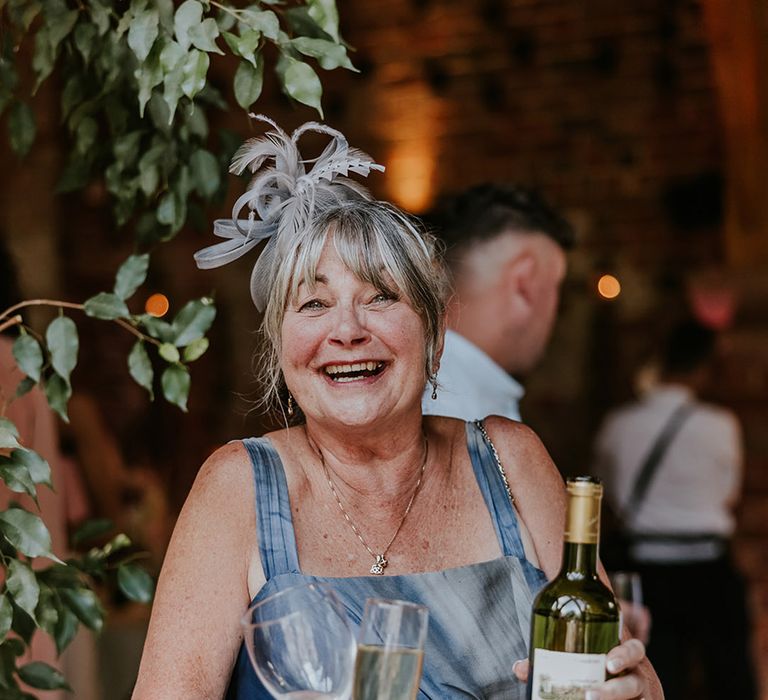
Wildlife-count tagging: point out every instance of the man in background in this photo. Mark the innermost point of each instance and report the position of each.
(506, 250)
(682, 524)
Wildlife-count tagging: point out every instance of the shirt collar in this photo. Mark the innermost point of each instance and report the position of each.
(487, 371)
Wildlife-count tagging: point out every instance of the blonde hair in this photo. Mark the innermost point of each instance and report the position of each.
(383, 247)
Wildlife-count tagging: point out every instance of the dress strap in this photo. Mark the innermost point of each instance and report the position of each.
(277, 540)
(495, 489)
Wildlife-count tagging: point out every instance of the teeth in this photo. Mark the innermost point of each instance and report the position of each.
(356, 367)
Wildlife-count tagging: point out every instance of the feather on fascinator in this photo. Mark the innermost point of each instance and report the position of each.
(283, 198)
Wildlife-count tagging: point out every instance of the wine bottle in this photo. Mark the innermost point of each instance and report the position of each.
(575, 619)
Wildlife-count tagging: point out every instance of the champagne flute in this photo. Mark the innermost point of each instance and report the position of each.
(628, 589)
(390, 652)
(300, 644)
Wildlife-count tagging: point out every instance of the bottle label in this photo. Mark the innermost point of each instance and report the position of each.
(559, 675)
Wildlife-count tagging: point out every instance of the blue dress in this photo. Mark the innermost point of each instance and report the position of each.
(479, 615)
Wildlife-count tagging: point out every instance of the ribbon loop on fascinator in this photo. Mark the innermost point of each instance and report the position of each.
(283, 198)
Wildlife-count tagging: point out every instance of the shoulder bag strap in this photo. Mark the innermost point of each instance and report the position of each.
(650, 466)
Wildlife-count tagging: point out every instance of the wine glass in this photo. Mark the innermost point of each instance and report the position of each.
(628, 589)
(390, 652)
(300, 644)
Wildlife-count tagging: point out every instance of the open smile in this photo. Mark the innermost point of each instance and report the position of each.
(354, 372)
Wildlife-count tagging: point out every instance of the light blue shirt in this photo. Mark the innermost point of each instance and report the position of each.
(470, 385)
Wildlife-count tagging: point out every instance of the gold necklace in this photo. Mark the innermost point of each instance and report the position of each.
(377, 568)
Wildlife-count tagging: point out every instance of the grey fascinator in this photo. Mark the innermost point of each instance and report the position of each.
(283, 198)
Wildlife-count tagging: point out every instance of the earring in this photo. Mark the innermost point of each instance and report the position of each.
(290, 404)
(433, 382)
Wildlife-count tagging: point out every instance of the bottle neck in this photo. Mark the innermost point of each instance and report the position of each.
(579, 560)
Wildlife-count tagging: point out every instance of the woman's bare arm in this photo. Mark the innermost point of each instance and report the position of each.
(194, 633)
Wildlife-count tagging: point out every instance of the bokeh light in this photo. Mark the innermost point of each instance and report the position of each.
(157, 305)
(608, 287)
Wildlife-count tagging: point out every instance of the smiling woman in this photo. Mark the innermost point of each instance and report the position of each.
(359, 492)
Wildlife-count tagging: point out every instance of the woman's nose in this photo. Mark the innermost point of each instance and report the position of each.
(349, 327)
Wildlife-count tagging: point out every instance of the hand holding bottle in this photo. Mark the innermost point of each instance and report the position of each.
(624, 659)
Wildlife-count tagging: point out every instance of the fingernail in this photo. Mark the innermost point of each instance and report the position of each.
(515, 665)
(613, 666)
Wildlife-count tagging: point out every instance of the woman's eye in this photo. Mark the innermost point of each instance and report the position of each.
(312, 305)
(382, 297)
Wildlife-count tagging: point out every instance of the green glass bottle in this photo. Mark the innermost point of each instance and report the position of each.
(575, 619)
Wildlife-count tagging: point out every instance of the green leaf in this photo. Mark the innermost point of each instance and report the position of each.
(28, 355)
(169, 209)
(326, 15)
(22, 585)
(63, 343)
(16, 477)
(57, 392)
(44, 56)
(203, 36)
(99, 15)
(249, 80)
(193, 72)
(40, 675)
(91, 529)
(205, 172)
(265, 21)
(21, 128)
(328, 54)
(26, 532)
(86, 605)
(46, 611)
(65, 629)
(72, 95)
(189, 14)
(60, 23)
(140, 367)
(157, 328)
(143, 32)
(300, 82)
(25, 386)
(195, 349)
(175, 382)
(302, 23)
(148, 75)
(126, 148)
(136, 583)
(6, 616)
(245, 45)
(86, 35)
(8, 434)
(39, 470)
(131, 276)
(85, 135)
(193, 321)
(169, 352)
(106, 306)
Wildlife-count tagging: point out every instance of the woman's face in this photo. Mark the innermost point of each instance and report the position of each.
(351, 353)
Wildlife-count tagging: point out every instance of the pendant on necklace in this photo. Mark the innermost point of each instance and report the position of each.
(377, 569)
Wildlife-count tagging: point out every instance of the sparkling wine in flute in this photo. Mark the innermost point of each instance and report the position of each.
(575, 619)
(387, 673)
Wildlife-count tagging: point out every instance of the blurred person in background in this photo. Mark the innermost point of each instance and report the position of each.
(506, 251)
(679, 518)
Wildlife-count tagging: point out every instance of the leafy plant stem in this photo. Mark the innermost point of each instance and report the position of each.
(12, 321)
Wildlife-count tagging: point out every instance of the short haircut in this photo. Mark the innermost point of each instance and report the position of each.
(382, 246)
(688, 346)
(485, 211)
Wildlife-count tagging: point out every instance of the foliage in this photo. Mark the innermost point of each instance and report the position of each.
(58, 598)
(135, 101)
(136, 92)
